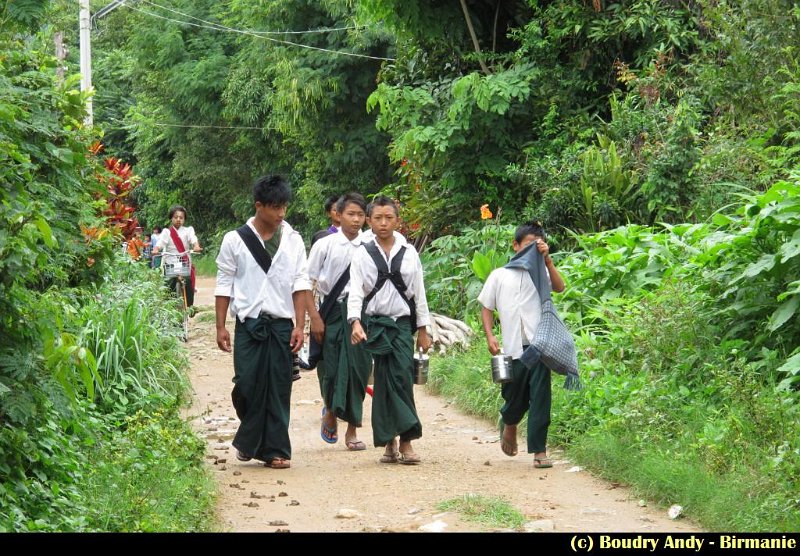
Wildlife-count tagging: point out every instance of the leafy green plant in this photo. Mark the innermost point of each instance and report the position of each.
(454, 265)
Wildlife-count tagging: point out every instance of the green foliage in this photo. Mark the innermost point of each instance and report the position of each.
(457, 265)
(212, 110)
(128, 332)
(150, 477)
(70, 464)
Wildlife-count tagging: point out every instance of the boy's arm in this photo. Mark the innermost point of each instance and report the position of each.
(317, 324)
(487, 317)
(556, 281)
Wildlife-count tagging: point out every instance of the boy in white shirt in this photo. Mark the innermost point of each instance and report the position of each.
(511, 292)
(262, 278)
(343, 368)
(393, 313)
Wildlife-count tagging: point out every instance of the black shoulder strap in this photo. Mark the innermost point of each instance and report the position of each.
(256, 247)
(333, 295)
(392, 275)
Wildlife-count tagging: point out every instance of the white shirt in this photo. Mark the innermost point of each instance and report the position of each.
(387, 301)
(328, 258)
(510, 292)
(241, 278)
(167, 246)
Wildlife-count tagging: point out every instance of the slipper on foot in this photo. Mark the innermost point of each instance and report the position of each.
(328, 434)
(355, 445)
(542, 463)
(278, 463)
(408, 459)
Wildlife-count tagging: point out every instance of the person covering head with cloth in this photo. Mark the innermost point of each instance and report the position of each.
(262, 279)
(343, 368)
(393, 311)
(175, 240)
(511, 292)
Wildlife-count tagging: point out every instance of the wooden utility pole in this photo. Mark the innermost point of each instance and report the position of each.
(86, 57)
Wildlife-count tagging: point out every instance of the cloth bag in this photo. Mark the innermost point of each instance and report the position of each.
(552, 343)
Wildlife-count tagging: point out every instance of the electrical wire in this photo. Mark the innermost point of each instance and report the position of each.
(222, 27)
(218, 27)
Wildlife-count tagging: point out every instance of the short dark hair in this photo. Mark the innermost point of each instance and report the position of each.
(352, 197)
(272, 190)
(175, 208)
(383, 201)
(319, 235)
(529, 228)
(157, 229)
(330, 202)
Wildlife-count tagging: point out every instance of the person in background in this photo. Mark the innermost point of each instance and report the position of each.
(156, 259)
(174, 242)
(334, 218)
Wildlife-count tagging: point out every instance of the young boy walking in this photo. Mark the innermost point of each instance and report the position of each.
(386, 284)
(262, 278)
(344, 368)
(511, 292)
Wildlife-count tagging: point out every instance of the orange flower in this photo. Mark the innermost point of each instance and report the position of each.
(485, 212)
(90, 262)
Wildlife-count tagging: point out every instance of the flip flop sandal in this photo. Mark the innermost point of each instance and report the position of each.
(355, 445)
(542, 463)
(327, 434)
(389, 458)
(278, 463)
(408, 459)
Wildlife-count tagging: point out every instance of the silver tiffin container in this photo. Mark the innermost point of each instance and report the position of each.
(501, 368)
(421, 362)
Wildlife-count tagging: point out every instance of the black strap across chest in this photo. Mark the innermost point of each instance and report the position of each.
(392, 275)
(255, 246)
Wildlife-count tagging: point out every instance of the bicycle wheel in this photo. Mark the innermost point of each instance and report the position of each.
(183, 306)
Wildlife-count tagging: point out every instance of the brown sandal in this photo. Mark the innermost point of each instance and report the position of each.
(409, 459)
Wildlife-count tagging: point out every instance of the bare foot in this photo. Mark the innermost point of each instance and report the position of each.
(508, 440)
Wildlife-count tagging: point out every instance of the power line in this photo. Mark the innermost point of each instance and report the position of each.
(223, 27)
(217, 27)
(210, 126)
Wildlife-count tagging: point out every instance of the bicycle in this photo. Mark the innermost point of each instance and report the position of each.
(178, 266)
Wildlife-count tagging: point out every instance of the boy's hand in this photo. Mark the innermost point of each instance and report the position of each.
(296, 339)
(318, 328)
(544, 249)
(423, 340)
(223, 339)
(358, 335)
(493, 344)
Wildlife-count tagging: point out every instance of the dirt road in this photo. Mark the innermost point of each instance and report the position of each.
(331, 489)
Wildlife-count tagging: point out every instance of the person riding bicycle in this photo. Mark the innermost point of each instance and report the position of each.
(175, 242)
